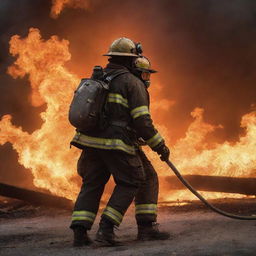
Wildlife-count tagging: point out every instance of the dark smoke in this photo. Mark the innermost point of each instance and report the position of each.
(205, 52)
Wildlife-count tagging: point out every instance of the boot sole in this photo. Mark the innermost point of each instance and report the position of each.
(107, 243)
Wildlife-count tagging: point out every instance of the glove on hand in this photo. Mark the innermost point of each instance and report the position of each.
(163, 151)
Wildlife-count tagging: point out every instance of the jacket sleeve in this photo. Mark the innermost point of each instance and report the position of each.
(138, 100)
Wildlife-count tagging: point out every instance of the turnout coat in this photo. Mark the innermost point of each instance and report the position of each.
(128, 116)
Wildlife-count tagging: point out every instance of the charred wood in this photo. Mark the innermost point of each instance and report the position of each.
(246, 186)
(35, 197)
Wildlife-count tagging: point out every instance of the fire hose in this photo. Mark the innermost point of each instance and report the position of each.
(215, 209)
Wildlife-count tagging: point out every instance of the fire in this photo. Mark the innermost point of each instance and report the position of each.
(238, 159)
(46, 151)
(193, 155)
(59, 5)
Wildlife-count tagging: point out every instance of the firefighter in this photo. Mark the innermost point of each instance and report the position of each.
(115, 151)
(142, 69)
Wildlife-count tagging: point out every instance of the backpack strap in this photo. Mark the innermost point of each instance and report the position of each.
(109, 78)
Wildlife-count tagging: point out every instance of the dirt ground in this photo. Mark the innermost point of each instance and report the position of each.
(28, 230)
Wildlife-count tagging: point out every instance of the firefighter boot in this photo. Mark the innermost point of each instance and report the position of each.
(150, 231)
(105, 234)
(81, 237)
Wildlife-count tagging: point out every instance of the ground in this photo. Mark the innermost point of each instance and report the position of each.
(28, 230)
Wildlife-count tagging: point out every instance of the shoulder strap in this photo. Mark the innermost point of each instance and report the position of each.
(109, 78)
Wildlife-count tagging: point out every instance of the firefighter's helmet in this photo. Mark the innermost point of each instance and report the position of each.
(143, 64)
(124, 47)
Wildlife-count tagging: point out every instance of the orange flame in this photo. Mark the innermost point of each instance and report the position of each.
(225, 159)
(193, 155)
(46, 151)
(59, 5)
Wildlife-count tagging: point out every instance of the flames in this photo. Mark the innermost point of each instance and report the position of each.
(227, 159)
(193, 154)
(59, 5)
(46, 151)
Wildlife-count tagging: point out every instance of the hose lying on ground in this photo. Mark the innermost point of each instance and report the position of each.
(185, 183)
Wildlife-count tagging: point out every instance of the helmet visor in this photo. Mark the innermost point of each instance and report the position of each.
(145, 76)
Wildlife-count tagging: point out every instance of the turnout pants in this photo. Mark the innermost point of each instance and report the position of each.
(134, 176)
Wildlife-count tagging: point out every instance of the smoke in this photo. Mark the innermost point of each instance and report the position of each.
(207, 59)
(204, 51)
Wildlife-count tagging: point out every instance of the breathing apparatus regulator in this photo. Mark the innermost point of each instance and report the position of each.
(126, 47)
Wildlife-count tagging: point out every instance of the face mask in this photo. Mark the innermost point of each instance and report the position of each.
(145, 76)
(147, 83)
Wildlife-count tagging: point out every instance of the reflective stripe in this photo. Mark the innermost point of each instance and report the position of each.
(82, 218)
(140, 111)
(83, 215)
(103, 143)
(113, 214)
(155, 140)
(146, 209)
(117, 98)
(92, 214)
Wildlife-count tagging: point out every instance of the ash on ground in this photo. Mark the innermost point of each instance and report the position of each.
(31, 230)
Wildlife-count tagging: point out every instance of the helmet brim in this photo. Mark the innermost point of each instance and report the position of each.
(147, 70)
(121, 54)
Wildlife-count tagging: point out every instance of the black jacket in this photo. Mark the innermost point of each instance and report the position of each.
(128, 116)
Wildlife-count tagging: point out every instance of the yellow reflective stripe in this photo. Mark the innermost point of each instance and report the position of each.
(117, 98)
(103, 143)
(83, 215)
(146, 212)
(155, 140)
(146, 209)
(113, 217)
(140, 111)
(117, 213)
(113, 214)
(82, 218)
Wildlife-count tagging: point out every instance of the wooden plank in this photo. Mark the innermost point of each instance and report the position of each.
(246, 186)
(35, 197)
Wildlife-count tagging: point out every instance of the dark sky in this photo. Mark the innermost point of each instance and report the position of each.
(205, 51)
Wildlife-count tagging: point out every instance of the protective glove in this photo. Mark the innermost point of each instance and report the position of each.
(163, 151)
